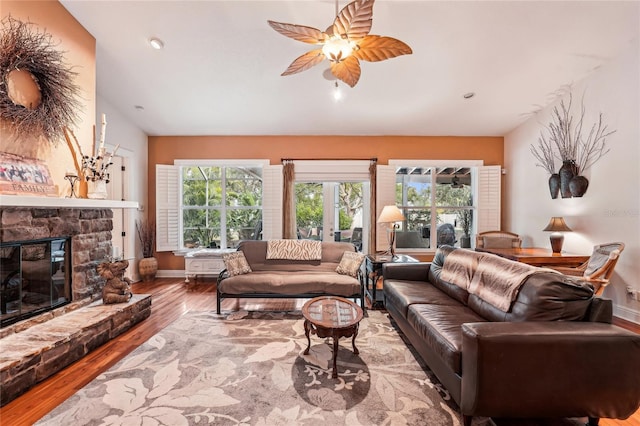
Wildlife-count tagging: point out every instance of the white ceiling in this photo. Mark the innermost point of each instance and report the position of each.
(219, 73)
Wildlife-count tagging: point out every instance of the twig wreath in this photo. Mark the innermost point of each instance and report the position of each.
(38, 96)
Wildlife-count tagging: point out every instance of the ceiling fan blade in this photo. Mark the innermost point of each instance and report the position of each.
(347, 70)
(299, 32)
(304, 62)
(375, 48)
(354, 20)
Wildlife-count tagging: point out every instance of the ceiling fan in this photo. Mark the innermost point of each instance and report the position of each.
(344, 43)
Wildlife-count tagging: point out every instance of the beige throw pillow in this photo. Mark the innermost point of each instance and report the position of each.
(350, 263)
(236, 263)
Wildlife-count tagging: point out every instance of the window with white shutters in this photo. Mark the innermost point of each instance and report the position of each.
(217, 203)
(456, 198)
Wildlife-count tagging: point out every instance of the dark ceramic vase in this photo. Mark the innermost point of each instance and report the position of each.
(554, 185)
(578, 186)
(567, 172)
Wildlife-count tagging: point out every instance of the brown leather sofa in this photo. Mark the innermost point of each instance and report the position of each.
(280, 278)
(553, 354)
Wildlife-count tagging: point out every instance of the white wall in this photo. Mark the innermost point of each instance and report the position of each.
(610, 210)
(133, 147)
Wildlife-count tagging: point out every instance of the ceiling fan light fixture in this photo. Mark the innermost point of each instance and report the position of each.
(337, 49)
(345, 43)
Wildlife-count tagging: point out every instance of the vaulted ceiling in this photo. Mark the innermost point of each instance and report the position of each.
(219, 70)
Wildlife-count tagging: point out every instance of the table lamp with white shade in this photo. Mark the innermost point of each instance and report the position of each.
(391, 215)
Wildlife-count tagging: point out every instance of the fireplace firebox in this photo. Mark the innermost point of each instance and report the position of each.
(35, 277)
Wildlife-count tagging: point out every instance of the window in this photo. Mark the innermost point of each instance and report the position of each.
(221, 205)
(217, 203)
(456, 198)
(434, 198)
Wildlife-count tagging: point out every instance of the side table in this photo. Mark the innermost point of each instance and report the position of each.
(373, 272)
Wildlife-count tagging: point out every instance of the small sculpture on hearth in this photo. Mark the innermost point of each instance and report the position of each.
(118, 287)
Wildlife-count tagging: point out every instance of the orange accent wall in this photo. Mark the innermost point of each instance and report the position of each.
(78, 48)
(166, 149)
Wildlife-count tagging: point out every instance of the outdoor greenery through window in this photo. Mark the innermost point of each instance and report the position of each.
(221, 205)
(434, 198)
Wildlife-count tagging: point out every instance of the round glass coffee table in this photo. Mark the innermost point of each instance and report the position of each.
(332, 316)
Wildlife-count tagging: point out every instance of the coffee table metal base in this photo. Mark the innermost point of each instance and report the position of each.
(335, 334)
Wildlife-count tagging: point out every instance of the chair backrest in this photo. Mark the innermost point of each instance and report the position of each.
(498, 239)
(602, 261)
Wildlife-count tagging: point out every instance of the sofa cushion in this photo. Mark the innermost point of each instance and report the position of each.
(441, 328)
(293, 282)
(458, 293)
(350, 263)
(403, 294)
(235, 263)
(544, 296)
(256, 253)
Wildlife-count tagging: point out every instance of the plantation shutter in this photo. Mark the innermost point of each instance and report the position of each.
(167, 207)
(272, 202)
(489, 193)
(385, 196)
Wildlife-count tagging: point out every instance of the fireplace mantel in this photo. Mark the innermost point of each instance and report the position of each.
(70, 203)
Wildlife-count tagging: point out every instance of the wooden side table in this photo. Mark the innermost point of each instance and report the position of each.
(373, 272)
(331, 316)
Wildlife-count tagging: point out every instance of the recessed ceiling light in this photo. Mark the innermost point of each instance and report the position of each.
(156, 43)
(468, 95)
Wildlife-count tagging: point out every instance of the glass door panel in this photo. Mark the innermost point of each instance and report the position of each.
(332, 211)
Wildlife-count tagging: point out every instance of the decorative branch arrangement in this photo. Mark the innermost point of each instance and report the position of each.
(91, 168)
(38, 96)
(565, 141)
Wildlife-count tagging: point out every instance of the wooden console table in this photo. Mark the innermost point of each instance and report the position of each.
(538, 256)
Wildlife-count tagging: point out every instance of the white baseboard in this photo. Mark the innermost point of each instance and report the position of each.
(626, 313)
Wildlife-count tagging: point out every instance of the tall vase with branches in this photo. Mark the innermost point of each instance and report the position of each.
(148, 265)
(577, 150)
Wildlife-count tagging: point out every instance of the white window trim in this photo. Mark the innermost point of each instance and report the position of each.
(174, 237)
(487, 206)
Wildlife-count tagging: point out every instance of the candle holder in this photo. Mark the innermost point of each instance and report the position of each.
(72, 182)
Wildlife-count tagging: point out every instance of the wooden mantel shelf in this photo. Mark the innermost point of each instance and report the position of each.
(69, 203)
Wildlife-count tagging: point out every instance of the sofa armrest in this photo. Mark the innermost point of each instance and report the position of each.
(549, 369)
(406, 271)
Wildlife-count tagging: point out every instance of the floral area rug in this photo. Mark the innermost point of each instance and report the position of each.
(249, 369)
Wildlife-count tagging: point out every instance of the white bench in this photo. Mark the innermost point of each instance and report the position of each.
(204, 262)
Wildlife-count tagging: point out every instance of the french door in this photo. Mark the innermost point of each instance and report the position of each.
(333, 211)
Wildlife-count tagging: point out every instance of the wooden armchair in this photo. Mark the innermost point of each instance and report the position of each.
(599, 268)
(498, 239)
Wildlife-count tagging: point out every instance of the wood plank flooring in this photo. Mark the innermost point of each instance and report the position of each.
(171, 299)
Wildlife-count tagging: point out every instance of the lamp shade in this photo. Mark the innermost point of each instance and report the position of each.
(390, 214)
(556, 224)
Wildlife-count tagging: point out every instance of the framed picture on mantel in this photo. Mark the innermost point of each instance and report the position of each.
(25, 176)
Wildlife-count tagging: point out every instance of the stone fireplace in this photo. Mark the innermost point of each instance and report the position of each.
(37, 347)
(89, 234)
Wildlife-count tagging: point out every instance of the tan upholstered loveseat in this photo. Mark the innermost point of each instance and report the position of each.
(290, 278)
(552, 352)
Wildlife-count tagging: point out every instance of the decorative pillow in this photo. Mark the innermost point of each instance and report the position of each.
(236, 263)
(294, 249)
(498, 242)
(350, 263)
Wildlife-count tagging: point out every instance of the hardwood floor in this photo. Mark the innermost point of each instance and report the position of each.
(171, 299)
